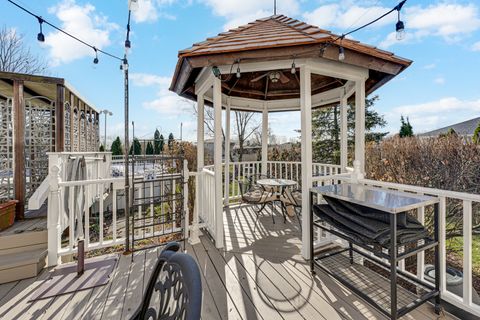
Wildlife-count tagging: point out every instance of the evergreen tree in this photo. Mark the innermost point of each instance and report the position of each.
(117, 148)
(326, 129)
(171, 139)
(476, 135)
(406, 129)
(149, 150)
(136, 146)
(102, 148)
(157, 142)
(162, 143)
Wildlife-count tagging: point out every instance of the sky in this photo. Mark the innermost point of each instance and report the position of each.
(440, 88)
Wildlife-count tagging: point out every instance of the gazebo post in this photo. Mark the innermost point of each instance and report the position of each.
(226, 200)
(306, 131)
(200, 164)
(217, 105)
(264, 138)
(343, 131)
(360, 123)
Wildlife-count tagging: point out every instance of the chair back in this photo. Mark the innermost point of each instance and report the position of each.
(174, 290)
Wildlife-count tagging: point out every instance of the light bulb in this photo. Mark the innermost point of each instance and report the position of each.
(400, 28)
(293, 70)
(341, 53)
(40, 36)
(238, 73)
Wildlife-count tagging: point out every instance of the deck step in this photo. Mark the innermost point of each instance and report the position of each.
(21, 265)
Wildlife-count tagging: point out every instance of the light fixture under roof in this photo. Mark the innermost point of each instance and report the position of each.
(274, 76)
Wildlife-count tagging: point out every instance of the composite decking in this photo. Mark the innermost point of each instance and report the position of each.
(259, 275)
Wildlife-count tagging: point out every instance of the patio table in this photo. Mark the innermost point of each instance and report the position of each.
(277, 188)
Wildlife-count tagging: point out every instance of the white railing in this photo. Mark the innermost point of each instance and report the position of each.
(207, 212)
(460, 200)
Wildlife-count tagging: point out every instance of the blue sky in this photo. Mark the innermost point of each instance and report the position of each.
(440, 88)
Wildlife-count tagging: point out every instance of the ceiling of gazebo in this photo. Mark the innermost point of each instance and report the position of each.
(279, 38)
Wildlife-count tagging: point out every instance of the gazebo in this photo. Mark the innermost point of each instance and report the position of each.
(280, 64)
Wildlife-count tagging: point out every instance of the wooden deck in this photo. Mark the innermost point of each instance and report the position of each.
(259, 275)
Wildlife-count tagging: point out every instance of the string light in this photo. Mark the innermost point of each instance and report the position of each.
(40, 36)
(400, 26)
(341, 53)
(95, 60)
(294, 69)
(238, 69)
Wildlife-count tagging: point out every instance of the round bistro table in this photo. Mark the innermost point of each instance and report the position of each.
(277, 187)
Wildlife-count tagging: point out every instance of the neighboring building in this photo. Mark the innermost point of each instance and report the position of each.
(39, 115)
(464, 129)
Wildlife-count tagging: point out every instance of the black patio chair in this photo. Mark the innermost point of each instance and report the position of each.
(293, 198)
(174, 290)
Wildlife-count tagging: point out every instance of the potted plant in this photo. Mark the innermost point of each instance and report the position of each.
(7, 213)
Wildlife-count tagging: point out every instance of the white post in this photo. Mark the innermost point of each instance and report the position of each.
(186, 211)
(199, 195)
(343, 131)
(217, 105)
(306, 128)
(360, 123)
(264, 138)
(53, 213)
(226, 200)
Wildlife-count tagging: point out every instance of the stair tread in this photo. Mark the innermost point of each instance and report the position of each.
(12, 260)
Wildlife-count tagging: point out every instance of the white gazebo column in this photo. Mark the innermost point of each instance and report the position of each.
(217, 158)
(199, 194)
(343, 131)
(226, 200)
(360, 123)
(264, 138)
(306, 129)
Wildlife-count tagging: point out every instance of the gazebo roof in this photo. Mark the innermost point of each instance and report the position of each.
(277, 38)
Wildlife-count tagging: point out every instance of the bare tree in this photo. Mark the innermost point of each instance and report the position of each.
(245, 127)
(15, 56)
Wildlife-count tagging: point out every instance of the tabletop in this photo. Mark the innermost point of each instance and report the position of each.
(386, 200)
(276, 182)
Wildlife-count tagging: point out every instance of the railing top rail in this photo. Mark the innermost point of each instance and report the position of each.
(426, 190)
(89, 182)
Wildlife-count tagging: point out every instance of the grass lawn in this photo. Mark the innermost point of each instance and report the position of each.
(456, 245)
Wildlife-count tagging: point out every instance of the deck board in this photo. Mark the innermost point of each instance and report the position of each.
(259, 275)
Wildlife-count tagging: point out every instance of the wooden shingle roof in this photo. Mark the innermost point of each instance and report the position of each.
(278, 31)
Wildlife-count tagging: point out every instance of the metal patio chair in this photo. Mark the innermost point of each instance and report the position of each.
(294, 198)
(174, 290)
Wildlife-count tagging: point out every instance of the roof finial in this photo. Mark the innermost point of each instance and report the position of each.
(274, 7)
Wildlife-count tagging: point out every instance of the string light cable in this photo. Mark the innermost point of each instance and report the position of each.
(400, 29)
(41, 37)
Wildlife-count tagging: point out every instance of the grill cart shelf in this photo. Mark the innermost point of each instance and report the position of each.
(376, 278)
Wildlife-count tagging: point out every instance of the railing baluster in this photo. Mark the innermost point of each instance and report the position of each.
(100, 214)
(467, 252)
(114, 214)
(442, 243)
(421, 255)
(87, 220)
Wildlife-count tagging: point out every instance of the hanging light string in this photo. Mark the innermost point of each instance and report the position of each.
(41, 37)
(400, 29)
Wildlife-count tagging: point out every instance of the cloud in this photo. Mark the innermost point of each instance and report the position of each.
(450, 21)
(439, 80)
(167, 103)
(434, 114)
(241, 12)
(476, 46)
(152, 10)
(83, 22)
(430, 66)
(342, 17)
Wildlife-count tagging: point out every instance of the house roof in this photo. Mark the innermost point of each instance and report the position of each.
(465, 128)
(280, 37)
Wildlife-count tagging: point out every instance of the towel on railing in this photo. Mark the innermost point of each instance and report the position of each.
(370, 225)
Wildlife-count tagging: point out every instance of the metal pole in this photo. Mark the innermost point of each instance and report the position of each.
(127, 179)
(105, 135)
